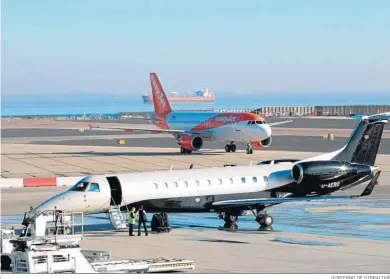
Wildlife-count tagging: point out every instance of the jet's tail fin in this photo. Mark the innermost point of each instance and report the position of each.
(160, 100)
(363, 144)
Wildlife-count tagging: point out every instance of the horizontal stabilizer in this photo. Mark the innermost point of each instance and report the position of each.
(371, 185)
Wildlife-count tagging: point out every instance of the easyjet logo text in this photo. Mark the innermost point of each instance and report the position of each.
(226, 119)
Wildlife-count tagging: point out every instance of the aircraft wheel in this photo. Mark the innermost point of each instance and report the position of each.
(268, 220)
(265, 220)
(227, 148)
(221, 215)
(233, 148)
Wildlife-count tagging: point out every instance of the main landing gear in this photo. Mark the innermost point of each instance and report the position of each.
(262, 218)
(185, 151)
(230, 147)
(249, 149)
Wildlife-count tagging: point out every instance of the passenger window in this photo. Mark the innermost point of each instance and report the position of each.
(231, 180)
(220, 181)
(254, 179)
(243, 180)
(197, 183)
(175, 183)
(80, 187)
(166, 185)
(265, 178)
(94, 187)
(209, 182)
(186, 183)
(155, 185)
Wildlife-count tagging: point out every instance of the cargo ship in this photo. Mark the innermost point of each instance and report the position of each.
(201, 96)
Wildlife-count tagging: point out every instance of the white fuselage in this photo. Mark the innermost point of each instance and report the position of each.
(195, 183)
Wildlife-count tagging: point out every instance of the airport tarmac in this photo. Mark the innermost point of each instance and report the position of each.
(350, 236)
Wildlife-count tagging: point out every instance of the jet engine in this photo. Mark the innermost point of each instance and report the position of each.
(329, 174)
(191, 143)
(266, 142)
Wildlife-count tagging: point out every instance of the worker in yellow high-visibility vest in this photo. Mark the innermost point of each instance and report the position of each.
(132, 216)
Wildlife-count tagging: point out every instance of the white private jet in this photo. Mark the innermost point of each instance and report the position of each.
(233, 190)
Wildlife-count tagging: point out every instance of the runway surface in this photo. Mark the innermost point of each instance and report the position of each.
(287, 143)
(351, 236)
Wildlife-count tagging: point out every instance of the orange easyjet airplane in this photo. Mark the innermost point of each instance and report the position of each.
(191, 129)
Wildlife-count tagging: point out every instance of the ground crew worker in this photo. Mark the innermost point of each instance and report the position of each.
(142, 219)
(131, 221)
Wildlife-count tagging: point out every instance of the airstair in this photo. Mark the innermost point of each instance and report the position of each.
(116, 218)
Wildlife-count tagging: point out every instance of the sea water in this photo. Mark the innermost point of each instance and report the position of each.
(112, 104)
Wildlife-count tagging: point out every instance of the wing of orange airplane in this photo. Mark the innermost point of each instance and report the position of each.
(279, 123)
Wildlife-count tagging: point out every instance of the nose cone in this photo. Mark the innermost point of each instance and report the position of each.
(267, 130)
(58, 201)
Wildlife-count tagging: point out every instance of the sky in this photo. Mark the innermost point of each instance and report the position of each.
(70, 46)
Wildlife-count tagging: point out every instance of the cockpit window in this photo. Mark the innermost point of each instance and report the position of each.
(94, 187)
(80, 187)
(259, 122)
